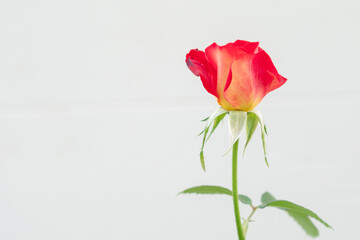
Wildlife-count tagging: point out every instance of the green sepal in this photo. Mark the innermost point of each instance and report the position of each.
(216, 122)
(205, 119)
(201, 133)
(202, 160)
(263, 132)
(265, 129)
(251, 124)
(218, 112)
(237, 122)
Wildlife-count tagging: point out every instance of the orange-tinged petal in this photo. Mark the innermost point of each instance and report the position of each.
(240, 90)
(220, 60)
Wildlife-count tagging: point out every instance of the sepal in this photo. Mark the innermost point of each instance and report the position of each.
(263, 132)
(215, 118)
(237, 122)
(251, 124)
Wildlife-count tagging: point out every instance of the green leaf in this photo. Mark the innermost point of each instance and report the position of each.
(207, 189)
(266, 198)
(298, 213)
(286, 205)
(263, 132)
(245, 199)
(210, 120)
(237, 122)
(217, 120)
(251, 124)
(305, 222)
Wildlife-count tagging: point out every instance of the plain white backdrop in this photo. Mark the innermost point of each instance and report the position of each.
(99, 116)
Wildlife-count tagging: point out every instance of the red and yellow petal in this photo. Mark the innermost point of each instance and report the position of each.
(240, 90)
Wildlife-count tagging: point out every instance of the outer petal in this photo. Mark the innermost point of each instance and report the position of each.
(198, 64)
(266, 77)
(221, 57)
(253, 75)
(248, 47)
(239, 91)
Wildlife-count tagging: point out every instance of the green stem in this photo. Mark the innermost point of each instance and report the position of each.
(235, 191)
(252, 213)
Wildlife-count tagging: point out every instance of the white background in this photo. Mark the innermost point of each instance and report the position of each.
(99, 117)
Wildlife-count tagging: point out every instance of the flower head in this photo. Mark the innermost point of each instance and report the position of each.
(238, 74)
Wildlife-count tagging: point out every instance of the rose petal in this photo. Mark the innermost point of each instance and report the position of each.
(198, 64)
(249, 47)
(265, 74)
(220, 59)
(240, 89)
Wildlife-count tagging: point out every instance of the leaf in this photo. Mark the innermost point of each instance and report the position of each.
(266, 198)
(298, 213)
(263, 132)
(305, 222)
(237, 122)
(207, 189)
(286, 205)
(245, 199)
(210, 120)
(251, 124)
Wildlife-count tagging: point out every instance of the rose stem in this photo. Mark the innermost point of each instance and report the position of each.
(235, 191)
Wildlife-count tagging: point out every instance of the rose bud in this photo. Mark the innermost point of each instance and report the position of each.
(238, 74)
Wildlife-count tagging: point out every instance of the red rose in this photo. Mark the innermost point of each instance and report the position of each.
(238, 74)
